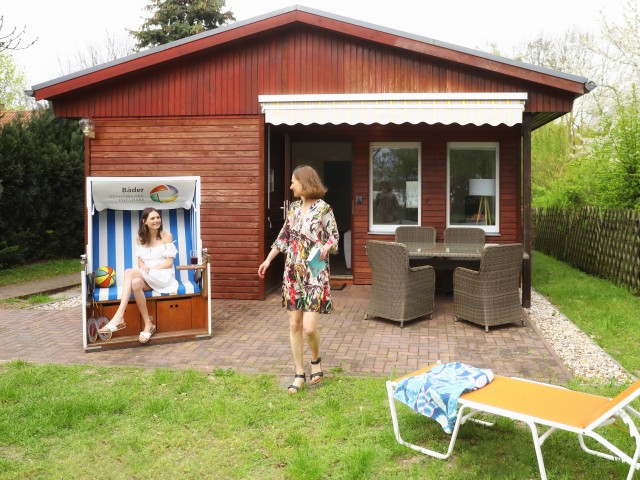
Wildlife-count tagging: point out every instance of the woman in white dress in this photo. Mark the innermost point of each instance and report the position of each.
(155, 251)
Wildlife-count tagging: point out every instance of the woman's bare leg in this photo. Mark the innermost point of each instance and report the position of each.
(297, 343)
(310, 329)
(129, 275)
(138, 285)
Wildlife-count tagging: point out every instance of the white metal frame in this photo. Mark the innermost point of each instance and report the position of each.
(383, 228)
(495, 228)
(620, 410)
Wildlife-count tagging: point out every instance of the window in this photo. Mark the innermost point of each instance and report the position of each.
(395, 186)
(473, 183)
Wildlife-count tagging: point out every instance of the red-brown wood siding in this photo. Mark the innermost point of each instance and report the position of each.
(227, 80)
(227, 154)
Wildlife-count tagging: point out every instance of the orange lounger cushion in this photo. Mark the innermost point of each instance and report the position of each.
(544, 402)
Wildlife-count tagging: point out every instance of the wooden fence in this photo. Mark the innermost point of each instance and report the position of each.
(597, 241)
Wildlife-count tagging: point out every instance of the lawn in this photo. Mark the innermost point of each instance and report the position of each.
(39, 271)
(77, 422)
(606, 312)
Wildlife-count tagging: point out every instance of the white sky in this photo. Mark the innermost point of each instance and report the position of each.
(65, 27)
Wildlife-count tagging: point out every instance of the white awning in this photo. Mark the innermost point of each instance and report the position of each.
(396, 108)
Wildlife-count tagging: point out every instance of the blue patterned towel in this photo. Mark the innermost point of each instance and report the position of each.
(435, 393)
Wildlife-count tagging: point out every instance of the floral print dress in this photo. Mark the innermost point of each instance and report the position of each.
(304, 288)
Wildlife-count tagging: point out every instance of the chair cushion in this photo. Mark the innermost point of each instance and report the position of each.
(115, 292)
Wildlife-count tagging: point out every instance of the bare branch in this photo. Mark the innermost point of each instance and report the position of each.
(13, 41)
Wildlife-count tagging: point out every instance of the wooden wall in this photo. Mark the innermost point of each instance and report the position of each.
(227, 80)
(227, 154)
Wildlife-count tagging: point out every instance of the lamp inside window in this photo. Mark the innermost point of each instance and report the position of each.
(485, 188)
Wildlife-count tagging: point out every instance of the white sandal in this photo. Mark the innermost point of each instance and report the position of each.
(147, 335)
(113, 328)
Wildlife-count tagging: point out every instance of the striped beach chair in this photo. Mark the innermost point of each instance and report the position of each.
(114, 244)
(111, 241)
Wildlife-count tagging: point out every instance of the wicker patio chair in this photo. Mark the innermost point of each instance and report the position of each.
(490, 296)
(398, 292)
(459, 236)
(415, 234)
(464, 236)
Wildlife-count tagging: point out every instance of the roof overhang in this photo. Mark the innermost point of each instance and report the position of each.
(395, 108)
(315, 18)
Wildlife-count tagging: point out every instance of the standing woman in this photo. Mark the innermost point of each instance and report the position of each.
(155, 251)
(305, 289)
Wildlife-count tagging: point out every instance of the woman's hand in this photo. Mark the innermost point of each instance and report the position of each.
(263, 268)
(324, 251)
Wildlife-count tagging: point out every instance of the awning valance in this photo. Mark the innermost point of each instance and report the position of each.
(396, 108)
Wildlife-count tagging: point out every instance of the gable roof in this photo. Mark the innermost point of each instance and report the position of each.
(302, 15)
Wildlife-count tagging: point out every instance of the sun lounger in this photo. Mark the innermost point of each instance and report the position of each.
(541, 405)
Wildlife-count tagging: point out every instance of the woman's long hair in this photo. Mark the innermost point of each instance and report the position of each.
(312, 186)
(143, 231)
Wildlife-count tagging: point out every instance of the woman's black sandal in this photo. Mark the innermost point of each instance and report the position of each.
(317, 375)
(295, 387)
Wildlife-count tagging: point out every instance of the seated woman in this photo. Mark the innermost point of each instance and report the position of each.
(155, 251)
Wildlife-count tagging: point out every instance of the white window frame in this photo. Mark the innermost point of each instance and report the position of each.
(391, 229)
(471, 146)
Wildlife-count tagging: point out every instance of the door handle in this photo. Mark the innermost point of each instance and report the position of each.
(285, 209)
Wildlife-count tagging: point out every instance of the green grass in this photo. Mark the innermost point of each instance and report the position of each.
(77, 422)
(29, 302)
(608, 313)
(39, 271)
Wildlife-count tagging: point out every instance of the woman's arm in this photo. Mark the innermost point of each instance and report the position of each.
(167, 239)
(141, 265)
(264, 265)
(331, 232)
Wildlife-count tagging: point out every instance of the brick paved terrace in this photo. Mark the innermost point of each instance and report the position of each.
(252, 336)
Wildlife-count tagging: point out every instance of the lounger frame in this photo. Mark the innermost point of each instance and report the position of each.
(469, 409)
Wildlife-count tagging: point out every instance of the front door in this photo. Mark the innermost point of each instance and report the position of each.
(278, 158)
(333, 162)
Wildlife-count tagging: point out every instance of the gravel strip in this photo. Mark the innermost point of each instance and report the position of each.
(581, 355)
(62, 304)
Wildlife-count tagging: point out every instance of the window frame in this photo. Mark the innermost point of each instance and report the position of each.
(386, 228)
(490, 229)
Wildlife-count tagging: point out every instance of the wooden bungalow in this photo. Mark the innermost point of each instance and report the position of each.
(376, 111)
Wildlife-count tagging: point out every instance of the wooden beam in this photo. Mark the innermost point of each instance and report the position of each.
(526, 208)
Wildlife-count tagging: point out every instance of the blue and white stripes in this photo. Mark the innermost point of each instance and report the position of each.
(114, 235)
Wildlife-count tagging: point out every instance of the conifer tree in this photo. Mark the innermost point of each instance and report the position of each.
(175, 19)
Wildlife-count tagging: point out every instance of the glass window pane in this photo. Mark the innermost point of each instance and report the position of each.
(395, 186)
(472, 185)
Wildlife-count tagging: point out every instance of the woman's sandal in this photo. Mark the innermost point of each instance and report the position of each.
(295, 387)
(316, 377)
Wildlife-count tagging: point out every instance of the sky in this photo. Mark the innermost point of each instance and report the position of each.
(66, 27)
